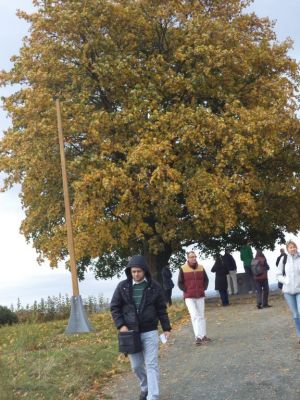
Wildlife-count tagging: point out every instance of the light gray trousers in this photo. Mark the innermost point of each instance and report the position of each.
(145, 365)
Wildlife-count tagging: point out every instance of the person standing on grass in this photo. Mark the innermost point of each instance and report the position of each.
(289, 275)
(193, 281)
(230, 263)
(168, 284)
(221, 271)
(138, 304)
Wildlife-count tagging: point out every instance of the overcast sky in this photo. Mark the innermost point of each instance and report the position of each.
(20, 275)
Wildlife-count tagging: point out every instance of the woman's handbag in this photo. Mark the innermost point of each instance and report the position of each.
(130, 342)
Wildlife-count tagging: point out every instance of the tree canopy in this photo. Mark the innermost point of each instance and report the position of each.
(180, 122)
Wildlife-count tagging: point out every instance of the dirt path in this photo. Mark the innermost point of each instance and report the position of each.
(254, 355)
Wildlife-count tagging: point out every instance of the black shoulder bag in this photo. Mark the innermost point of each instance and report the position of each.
(130, 342)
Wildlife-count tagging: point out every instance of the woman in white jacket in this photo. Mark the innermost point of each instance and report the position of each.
(289, 276)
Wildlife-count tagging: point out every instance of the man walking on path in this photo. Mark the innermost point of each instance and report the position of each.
(230, 263)
(138, 304)
(247, 256)
(193, 281)
(254, 356)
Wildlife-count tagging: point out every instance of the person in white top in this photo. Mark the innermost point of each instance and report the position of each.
(289, 275)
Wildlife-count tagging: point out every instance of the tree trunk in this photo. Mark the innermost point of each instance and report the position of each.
(157, 261)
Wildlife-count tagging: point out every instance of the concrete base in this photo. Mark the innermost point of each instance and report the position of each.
(78, 321)
(242, 283)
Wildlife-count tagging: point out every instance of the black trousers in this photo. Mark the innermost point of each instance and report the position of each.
(262, 292)
(224, 297)
(168, 296)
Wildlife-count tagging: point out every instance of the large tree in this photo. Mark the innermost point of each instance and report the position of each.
(180, 123)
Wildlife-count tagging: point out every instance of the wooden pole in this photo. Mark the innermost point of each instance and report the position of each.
(67, 202)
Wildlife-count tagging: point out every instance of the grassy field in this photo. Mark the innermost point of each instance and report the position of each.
(40, 362)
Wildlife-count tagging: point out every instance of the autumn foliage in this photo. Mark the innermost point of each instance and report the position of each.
(180, 126)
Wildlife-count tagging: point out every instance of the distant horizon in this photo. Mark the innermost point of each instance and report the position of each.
(42, 286)
(176, 295)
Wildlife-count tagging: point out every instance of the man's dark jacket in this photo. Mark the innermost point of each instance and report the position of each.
(167, 278)
(229, 261)
(152, 308)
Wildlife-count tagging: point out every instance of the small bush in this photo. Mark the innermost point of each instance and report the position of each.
(7, 317)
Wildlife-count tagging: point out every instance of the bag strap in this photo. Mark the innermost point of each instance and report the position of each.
(283, 264)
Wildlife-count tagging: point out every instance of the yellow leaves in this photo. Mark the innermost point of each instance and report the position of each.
(214, 199)
(177, 118)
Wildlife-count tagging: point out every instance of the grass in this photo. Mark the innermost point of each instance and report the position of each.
(39, 362)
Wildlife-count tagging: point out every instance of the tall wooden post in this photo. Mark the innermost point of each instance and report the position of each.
(78, 321)
(67, 202)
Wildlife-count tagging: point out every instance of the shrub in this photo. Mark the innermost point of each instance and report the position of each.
(56, 308)
(7, 317)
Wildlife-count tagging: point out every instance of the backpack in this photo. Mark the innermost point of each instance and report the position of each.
(283, 270)
(256, 267)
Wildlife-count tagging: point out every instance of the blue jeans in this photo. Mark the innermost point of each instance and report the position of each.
(145, 365)
(293, 301)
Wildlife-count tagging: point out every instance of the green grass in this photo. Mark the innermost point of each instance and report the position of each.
(39, 362)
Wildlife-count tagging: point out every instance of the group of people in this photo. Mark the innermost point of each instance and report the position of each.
(256, 273)
(139, 303)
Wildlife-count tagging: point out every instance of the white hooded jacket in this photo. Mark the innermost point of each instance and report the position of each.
(291, 279)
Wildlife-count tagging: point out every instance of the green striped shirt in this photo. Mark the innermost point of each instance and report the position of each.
(138, 290)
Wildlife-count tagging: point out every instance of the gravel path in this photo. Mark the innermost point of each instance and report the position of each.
(254, 355)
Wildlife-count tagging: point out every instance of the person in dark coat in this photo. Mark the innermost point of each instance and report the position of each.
(221, 284)
(282, 254)
(138, 304)
(168, 284)
(261, 281)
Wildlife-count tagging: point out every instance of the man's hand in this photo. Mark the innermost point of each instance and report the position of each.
(167, 334)
(124, 328)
